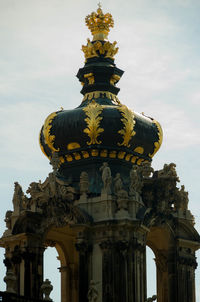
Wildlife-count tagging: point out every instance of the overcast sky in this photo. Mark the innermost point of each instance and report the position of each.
(159, 50)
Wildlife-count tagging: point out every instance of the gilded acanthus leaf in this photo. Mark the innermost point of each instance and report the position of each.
(93, 119)
(49, 139)
(160, 138)
(128, 121)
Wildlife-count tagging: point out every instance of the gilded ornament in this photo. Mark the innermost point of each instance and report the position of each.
(114, 79)
(139, 150)
(93, 119)
(134, 158)
(85, 154)
(121, 154)
(99, 24)
(90, 78)
(160, 138)
(49, 139)
(41, 147)
(98, 48)
(94, 152)
(101, 94)
(113, 154)
(141, 160)
(73, 145)
(77, 156)
(62, 160)
(128, 121)
(104, 153)
(89, 50)
(68, 157)
(128, 157)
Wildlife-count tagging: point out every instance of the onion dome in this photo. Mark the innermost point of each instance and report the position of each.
(101, 128)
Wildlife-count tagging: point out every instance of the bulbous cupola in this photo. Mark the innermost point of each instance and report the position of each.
(101, 129)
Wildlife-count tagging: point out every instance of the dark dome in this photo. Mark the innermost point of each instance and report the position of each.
(101, 128)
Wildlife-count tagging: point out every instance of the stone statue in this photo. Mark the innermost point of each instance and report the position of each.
(136, 182)
(55, 162)
(46, 289)
(153, 298)
(122, 200)
(92, 292)
(8, 223)
(17, 197)
(117, 183)
(169, 170)
(8, 219)
(84, 183)
(181, 201)
(146, 169)
(106, 177)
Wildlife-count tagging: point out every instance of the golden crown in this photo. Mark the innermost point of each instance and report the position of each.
(99, 24)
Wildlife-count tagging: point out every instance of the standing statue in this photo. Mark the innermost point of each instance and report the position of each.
(181, 201)
(92, 292)
(117, 183)
(17, 197)
(106, 177)
(136, 182)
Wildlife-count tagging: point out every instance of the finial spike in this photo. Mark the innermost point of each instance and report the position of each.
(99, 5)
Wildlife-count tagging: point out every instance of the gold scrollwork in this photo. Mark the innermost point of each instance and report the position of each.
(160, 138)
(41, 147)
(93, 119)
(49, 139)
(128, 121)
(101, 94)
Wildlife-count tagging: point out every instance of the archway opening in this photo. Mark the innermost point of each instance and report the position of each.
(51, 272)
(151, 273)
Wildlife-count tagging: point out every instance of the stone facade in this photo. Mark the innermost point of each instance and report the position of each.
(101, 240)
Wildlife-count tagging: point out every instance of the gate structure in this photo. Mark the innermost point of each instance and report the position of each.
(103, 203)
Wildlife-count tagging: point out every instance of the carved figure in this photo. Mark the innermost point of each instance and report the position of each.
(84, 183)
(122, 200)
(55, 162)
(181, 201)
(117, 183)
(106, 177)
(169, 170)
(136, 182)
(146, 169)
(8, 223)
(92, 292)
(46, 289)
(17, 197)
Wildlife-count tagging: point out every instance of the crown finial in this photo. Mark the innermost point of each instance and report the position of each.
(99, 24)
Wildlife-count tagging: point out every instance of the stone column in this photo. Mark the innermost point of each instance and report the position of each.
(33, 271)
(124, 271)
(84, 250)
